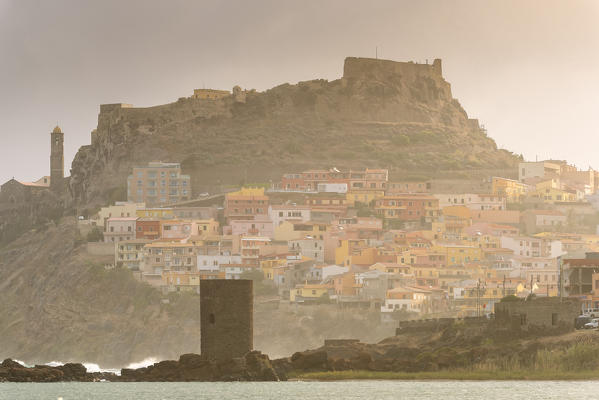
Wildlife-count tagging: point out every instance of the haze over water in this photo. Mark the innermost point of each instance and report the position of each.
(378, 390)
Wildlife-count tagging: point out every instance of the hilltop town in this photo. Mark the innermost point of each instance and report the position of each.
(391, 233)
(356, 239)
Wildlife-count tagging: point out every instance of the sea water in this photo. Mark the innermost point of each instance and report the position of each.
(306, 390)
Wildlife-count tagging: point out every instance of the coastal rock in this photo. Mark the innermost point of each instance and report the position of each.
(12, 371)
(254, 366)
(310, 361)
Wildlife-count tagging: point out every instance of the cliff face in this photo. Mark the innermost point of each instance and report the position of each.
(400, 116)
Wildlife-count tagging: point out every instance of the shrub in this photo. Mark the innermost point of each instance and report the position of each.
(95, 235)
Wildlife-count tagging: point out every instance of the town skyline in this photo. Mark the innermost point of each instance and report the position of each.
(515, 99)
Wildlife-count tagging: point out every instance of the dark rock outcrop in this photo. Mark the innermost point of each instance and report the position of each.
(255, 366)
(12, 371)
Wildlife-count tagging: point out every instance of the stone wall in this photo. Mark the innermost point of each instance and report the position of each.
(226, 318)
(543, 313)
(437, 324)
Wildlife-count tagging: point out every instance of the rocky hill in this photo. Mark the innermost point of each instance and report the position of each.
(395, 115)
(57, 300)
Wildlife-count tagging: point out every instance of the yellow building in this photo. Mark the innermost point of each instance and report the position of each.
(355, 251)
(512, 190)
(273, 268)
(425, 272)
(459, 254)
(303, 293)
(181, 281)
(364, 196)
(551, 195)
(392, 268)
(206, 227)
(294, 230)
(482, 241)
(160, 213)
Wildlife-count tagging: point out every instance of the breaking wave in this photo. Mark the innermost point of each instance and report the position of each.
(92, 367)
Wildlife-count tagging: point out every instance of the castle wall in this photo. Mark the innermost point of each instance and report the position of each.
(226, 318)
(361, 68)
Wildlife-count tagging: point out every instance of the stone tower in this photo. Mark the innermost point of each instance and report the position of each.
(226, 318)
(57, 160)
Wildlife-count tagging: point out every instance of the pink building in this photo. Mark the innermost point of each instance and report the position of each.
(254, 227)
(120, 229)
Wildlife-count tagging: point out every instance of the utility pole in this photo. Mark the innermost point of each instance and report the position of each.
(503, 286)
(561, 274)
(478, 298)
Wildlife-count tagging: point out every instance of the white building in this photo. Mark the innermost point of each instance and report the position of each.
(212, 263)
(537, 169)
(121, 209)
(288, 212)
(473, 201)
(308, 247)
(532, 247)
(332, 188)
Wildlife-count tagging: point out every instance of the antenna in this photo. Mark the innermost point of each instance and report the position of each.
(376, 52)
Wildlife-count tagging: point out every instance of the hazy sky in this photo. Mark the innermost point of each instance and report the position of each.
(528, 70)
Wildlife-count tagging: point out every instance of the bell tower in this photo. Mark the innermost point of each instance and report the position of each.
(57, 160)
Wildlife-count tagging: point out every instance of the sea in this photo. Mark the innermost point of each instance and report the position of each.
(305, 390)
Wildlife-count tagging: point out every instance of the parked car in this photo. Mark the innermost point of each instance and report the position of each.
(205, 194)
(591, 312)
(594, 324)
(581, 320)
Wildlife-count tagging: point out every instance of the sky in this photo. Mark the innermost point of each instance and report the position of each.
(527, 69)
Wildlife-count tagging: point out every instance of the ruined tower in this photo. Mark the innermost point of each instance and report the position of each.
(226, 318)
(57, 160)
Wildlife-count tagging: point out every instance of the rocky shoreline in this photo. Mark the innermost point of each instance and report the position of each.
(255, 366)
(463, 349)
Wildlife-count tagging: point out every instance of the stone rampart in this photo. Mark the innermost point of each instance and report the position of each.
(361, 68)
(436, 324)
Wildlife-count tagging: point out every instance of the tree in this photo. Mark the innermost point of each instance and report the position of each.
(261, 287)
(95, 235)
